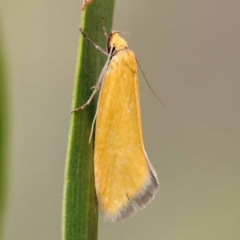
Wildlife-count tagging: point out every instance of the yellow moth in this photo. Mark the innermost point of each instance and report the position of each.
(124, 176)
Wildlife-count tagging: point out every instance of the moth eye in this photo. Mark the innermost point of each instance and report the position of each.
(109, 49)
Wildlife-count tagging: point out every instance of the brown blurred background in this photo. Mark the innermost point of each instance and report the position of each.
(190, 52)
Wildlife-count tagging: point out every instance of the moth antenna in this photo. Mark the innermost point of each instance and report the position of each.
(122, 32)
(104, 28)
(145, 78)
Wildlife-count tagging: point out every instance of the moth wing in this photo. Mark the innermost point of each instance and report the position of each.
(124, 177)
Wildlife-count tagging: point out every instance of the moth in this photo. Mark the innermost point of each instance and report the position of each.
(125, 179)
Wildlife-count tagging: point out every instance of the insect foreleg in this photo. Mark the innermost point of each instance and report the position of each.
(98, 48)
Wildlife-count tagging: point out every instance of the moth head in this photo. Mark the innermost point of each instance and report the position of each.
(116, 42)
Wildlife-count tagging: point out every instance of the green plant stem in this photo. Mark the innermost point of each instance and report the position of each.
(3, 136)
(80, 210)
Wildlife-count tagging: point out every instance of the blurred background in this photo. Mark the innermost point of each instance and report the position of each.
(190, 52)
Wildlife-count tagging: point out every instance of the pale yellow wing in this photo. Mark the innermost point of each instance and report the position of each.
(124, 177)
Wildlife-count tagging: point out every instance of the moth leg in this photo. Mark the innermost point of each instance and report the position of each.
(94, 87)
(98, 48)
(88, 101)
(97, 86)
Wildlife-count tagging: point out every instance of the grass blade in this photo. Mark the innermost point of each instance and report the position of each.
(80, 211)
(3, 135)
